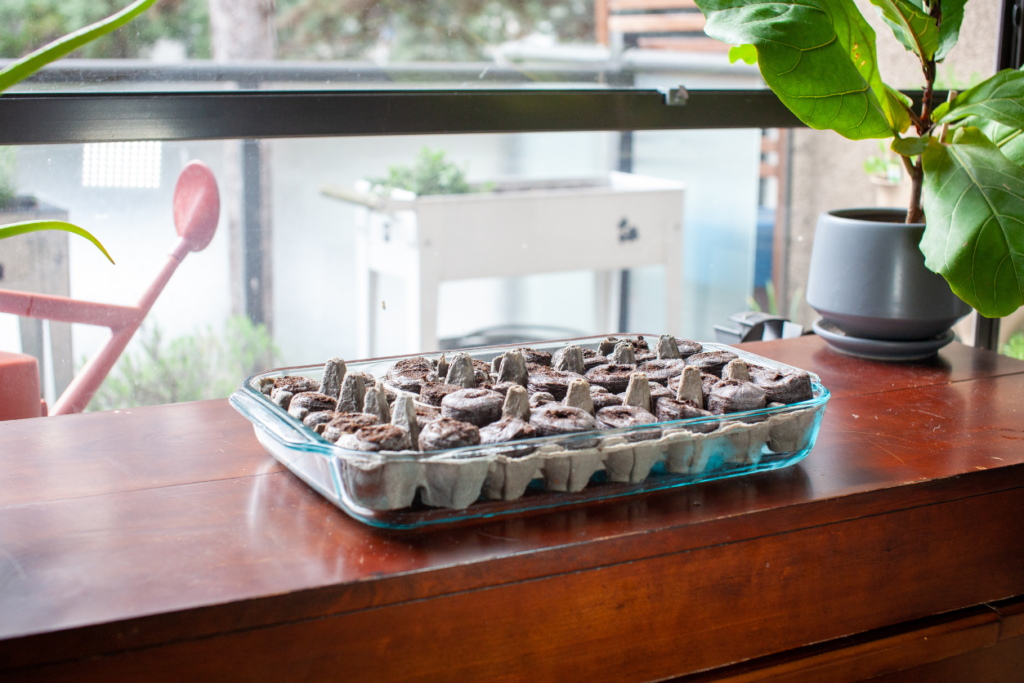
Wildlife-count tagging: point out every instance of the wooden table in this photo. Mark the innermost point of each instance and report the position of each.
(164, 544)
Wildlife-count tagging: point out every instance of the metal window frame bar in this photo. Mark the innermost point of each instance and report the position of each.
(619, 72)
(52, 118)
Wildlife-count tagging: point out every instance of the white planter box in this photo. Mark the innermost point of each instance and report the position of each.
(603, 224)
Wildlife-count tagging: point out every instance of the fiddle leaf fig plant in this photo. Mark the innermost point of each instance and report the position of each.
(22, 68)
(965, 157)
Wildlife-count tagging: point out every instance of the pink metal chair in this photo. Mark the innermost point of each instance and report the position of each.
(196, 212)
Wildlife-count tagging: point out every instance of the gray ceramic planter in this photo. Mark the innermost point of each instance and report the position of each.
(868, 277)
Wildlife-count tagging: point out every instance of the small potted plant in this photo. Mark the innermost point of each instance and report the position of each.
(963, 158)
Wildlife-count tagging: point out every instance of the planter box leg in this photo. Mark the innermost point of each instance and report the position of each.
(421, 298)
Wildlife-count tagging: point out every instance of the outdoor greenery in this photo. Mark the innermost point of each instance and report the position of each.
(1014, 346)
(965, 162)
(190, 368)
(8, 161)
(27, 65)
(773, 303)
(443, 30)
(30, 23)
(430, 174)
(947, 79)
(885, 166)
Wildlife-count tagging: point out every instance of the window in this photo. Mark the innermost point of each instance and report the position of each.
(524, 91)
(121, 164)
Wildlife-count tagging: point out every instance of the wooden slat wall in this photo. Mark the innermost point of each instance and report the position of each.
(682, 44)
(656, 23)
(660, 18)
(639, 5)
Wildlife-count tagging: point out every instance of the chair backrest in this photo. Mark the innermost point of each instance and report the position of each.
(654, 24)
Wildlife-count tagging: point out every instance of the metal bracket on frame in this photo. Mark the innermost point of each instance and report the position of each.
(675, 97)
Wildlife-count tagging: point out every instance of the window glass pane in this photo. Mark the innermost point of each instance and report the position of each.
(289, 255)
(210, 44)
(538, 245)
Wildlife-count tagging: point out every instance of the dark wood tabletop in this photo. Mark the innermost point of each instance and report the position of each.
(163, 543)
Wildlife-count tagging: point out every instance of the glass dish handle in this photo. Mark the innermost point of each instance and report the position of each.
(262, 416)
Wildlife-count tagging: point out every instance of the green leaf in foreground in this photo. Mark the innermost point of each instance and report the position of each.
(35, 226)
(747, 53)
(1010, 141)
(30, 63)
(1000, 98)
(974, 203)
(915, 30)
(949, 29)
(909, 147)
(817, 56)
(899, 106)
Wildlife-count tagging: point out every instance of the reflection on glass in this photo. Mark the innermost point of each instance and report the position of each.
(121, 164)
(279, 284)
(353, 43)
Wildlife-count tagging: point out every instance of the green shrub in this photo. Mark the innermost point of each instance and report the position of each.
(430, 174)
(189, 368)
(1014, 346)
(7, 175)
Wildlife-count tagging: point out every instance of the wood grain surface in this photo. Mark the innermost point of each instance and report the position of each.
(1001, 663)
(870, 654)
(92, 454)
(162, 538)
(845, 375)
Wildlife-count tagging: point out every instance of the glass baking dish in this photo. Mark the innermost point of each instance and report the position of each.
(408, 490)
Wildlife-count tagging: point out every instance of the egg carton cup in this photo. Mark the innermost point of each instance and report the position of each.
(413, 489)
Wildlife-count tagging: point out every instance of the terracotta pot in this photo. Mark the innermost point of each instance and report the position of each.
(19, 378)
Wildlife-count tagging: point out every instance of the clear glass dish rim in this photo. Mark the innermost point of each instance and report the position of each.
(272, 415)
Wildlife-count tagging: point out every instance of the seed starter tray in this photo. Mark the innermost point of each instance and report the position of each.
(413, 489)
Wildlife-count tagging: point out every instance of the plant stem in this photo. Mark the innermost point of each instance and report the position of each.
(915, 214)
(924, 125)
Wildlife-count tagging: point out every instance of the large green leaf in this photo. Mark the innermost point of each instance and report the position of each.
(909, 147)
(899, 109)
(949, 26)
(747, 53)
(35, 226)
(1010, 141)
(1000, 98)
(974, 205)
(911, 25)
(30, 63)
(818, 56)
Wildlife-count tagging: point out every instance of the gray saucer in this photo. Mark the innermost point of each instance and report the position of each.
(877, 349)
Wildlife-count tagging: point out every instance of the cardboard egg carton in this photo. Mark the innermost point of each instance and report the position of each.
(392, 480)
